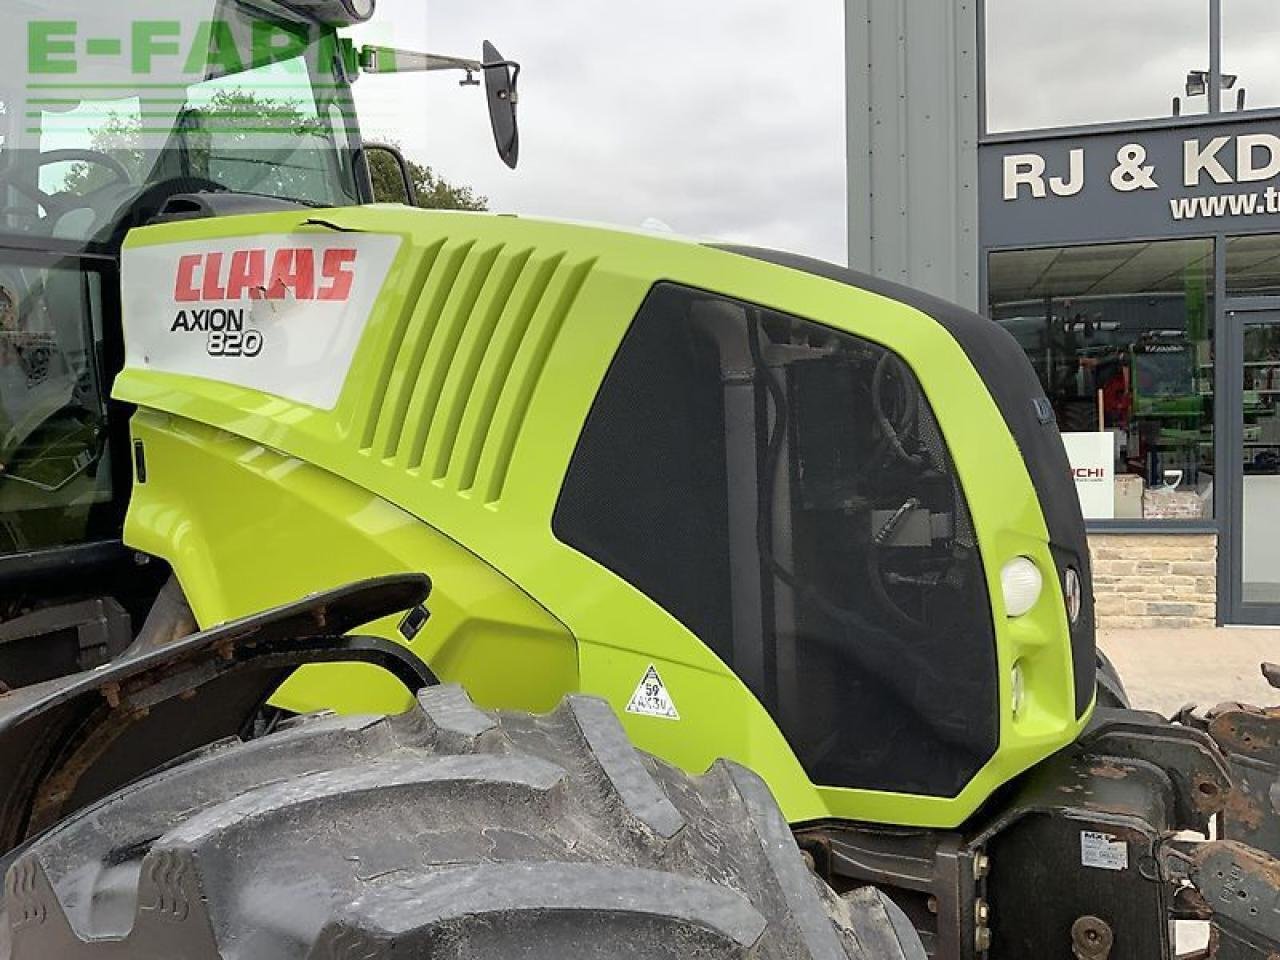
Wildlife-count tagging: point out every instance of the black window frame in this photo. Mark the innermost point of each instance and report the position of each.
(102, 259)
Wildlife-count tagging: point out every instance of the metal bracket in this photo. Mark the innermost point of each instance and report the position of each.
(1188, 756)
(1240, 885)
(946, 877)
(101, 627)
(1250, 738)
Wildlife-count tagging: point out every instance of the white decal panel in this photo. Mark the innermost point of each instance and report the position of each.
(281, 313)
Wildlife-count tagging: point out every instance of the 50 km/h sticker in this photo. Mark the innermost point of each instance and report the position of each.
(651, 698)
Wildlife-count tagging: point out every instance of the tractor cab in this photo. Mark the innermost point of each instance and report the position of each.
(128, 113)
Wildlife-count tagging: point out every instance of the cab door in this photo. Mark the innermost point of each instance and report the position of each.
(58, 469)
(67, 584)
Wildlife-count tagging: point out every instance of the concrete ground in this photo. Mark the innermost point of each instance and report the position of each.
(1164, 669)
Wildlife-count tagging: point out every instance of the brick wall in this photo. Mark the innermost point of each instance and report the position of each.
(1150, 580)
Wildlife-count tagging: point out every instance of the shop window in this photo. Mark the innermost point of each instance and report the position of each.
(1121, 337)
(1092, 61)
(1260, 459)
(1250, 35)
(1253, 266)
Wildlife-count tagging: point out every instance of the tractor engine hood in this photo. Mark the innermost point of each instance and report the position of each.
(456, 374)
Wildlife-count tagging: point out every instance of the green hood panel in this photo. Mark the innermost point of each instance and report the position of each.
(465, 396)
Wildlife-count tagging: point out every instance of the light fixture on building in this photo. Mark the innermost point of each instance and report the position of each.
(1198, 82)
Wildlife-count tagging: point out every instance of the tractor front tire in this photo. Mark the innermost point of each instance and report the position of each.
(446, 832)
(1111, 689)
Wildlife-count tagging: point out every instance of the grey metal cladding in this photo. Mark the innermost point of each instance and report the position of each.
(912, 144)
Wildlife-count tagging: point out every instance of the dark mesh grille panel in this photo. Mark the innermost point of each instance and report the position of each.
(646, 498)
(1004, 368)
(784, 491)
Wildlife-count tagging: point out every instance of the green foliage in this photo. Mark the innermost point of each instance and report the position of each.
(119, 137)
(246, 125)
(434, 192)
(246, 122)
(243, 121)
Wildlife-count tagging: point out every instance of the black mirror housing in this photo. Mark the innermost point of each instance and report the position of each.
(501, 79)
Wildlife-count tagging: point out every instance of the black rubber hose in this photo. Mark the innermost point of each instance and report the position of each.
(886, 425)
(764, 518)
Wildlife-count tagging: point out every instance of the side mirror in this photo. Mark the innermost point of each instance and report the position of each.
(389, 178)
(501, 77)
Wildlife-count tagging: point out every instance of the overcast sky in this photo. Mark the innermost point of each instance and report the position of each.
(725, 118)
(722, 118)
(1053, 63)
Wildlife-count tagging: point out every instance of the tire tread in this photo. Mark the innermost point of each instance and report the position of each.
(449, 831)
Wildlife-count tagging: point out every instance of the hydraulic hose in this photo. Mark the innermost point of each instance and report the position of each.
(764, 518)
(890, 432)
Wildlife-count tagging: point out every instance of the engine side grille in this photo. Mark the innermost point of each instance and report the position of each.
(464, 360)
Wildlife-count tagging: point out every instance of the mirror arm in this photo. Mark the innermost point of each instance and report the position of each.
(501, 83)
(391, 60)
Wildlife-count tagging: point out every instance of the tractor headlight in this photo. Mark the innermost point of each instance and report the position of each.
(1021, 583)
(1017, 689)
(336, 13)
(1073, 594)
(360, 9)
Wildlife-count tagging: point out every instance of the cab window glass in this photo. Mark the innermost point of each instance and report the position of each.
(783, 490)
(55, 471)
(235, 95)
(258, 131)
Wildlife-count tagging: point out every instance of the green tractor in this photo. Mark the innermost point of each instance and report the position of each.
(765, 581)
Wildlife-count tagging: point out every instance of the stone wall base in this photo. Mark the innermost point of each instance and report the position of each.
(1155, 580)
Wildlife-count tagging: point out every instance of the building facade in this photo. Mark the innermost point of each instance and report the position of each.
(1104, 182)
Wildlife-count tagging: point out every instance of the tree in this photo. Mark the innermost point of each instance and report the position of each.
(118, 136)
(248, 125)
(244, 123)
(434, 192)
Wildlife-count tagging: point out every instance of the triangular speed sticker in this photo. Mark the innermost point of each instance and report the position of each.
(651, 698)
